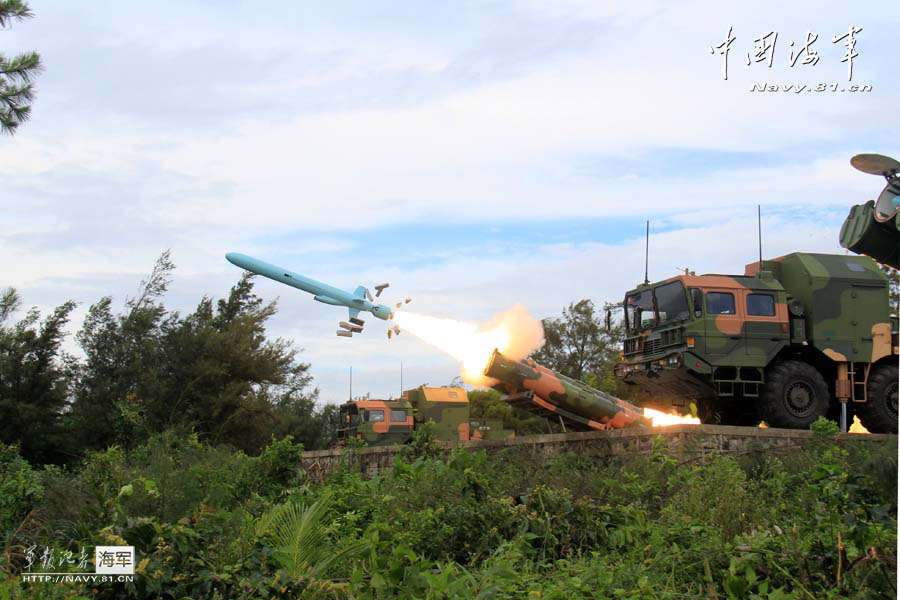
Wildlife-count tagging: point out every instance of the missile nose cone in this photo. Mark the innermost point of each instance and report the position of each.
(236, 258)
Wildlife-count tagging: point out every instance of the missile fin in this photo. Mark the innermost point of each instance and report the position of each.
(344, 333)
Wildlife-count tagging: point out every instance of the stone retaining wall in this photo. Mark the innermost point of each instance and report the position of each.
(684, 440)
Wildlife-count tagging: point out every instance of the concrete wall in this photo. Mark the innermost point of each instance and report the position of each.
(684, 440)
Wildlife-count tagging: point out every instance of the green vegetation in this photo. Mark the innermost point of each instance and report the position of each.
(148, 369)
(212, 522)
(16, 72)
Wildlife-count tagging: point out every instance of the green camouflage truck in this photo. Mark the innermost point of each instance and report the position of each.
(792, 339)
(387, 422)
(786, 342)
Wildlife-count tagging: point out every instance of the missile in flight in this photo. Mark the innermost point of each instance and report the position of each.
(360, 300)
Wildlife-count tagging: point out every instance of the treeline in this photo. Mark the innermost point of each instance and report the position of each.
(147, 369)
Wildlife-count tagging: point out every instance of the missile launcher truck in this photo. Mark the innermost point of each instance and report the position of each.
(388, 422)
(792, 339)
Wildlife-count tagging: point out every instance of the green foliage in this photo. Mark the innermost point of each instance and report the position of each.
(299, 539)
(207, 521)
(147, 370)
(20, 489)
(424, 444)
(16, 72)
(34, 381)
(824, 427)
(279, 467)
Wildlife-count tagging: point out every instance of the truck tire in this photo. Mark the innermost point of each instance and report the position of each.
(879, 413)
(794, 395)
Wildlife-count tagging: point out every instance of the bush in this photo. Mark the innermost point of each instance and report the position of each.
(20, 489)
(818, 521)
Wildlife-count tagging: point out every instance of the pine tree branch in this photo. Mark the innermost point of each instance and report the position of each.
(13, 10)
(22, 67)
(16, 95)
(11, 118)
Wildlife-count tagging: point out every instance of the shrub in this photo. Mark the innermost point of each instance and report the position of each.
(20, 489)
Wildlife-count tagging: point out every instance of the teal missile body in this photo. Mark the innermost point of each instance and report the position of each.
(359, 300)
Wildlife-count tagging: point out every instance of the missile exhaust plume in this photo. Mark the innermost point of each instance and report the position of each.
(515, 333)
(661, 419)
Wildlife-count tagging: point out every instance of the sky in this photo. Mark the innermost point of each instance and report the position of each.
(476, 155)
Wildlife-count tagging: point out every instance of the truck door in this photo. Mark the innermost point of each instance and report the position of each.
(723, 324)
(765, 328)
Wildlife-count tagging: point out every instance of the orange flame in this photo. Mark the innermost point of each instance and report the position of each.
(857, 427)
(661, 419)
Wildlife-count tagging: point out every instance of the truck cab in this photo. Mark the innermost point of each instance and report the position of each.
(376, 421)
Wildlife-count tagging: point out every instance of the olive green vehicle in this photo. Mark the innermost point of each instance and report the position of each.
(394, 421)
(792, 339)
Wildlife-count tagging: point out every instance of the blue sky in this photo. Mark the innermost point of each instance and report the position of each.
(474, 154)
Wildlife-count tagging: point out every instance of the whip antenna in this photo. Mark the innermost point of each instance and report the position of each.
(647, 255)
(759, 233)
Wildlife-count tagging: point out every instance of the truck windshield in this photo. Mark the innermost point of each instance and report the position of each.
(671, 302)
(663, 304)
(639, 311)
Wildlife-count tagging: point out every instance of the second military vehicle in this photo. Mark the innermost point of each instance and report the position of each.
(385, 422)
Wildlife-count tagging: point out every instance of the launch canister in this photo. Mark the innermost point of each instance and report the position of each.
(599, 409)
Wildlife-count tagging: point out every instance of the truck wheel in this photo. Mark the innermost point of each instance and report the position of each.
(879, 413)
(795, 395)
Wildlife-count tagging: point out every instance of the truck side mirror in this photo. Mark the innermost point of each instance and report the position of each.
(608, 319)
(697, 299)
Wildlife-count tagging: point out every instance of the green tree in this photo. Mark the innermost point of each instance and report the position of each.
(122, 370)
(34, 381)
(579, 344)
(213, 371)
(16, 72)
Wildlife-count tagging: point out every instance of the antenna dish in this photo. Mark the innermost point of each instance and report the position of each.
(875, 164)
